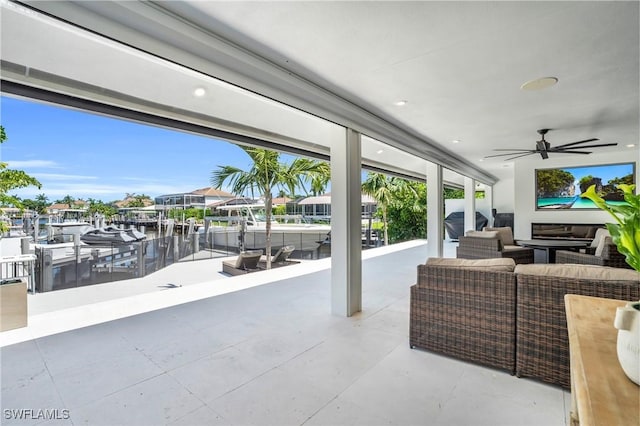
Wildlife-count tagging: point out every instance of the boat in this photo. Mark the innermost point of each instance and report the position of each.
(111, 235)
(246, 229)
(67, 225)
(65, 232)
(566, 203)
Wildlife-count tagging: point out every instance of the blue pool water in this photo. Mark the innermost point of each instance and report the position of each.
(580, 203)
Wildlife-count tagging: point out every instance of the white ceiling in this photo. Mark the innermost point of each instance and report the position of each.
(459, 65)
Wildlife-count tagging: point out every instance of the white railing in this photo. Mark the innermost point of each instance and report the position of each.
(21, 266)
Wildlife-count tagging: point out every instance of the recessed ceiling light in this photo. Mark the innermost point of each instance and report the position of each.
(539, 83)
(199, 92)
(481, 160)
(631, 145)
(401, 103)
(379, 151)
(455, 141)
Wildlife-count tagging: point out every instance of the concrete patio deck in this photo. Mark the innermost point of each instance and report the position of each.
(260, 349)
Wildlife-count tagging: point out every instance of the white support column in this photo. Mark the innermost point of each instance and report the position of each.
(469, 204)
(488, 195)
(435, 211)
(346, 240)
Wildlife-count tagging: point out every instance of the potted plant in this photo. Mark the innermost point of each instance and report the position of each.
(625, 233)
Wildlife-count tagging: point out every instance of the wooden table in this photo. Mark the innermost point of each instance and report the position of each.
(601, 394)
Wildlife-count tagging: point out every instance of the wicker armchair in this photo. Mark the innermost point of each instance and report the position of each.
(542, 347)
(610, 256)
(466, 311)
(470, 247)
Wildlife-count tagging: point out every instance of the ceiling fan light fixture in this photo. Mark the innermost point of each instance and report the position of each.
(544, 148)
(539, 83)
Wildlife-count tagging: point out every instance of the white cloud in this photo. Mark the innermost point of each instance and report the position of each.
(24, 164)
(59, 189)
(60, 176)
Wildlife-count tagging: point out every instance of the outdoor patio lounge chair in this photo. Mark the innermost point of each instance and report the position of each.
(281, 258)
(492, 243)
(606, 254)
(247, 261)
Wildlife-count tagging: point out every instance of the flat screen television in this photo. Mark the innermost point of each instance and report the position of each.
(560, 188)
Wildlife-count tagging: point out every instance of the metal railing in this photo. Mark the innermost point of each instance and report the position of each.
(64, 266)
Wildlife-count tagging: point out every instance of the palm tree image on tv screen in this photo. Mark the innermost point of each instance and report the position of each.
(560, 188)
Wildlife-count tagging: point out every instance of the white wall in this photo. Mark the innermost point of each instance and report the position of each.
(524, 189)
(503, 195)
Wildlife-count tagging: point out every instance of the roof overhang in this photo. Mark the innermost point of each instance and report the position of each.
(143, 40)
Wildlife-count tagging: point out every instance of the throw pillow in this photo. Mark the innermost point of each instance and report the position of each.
(601, 245)
(601, 232)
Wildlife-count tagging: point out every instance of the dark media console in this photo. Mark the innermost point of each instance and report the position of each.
(565, 231)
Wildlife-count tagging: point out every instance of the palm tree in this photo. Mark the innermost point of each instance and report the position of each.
(380, 187)
(319, 182)
(68, 200)
(267, 173)
(9, 180)
(387, 191)
(42, 201)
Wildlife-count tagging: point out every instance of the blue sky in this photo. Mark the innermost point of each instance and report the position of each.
(605, 172)
(91, 156)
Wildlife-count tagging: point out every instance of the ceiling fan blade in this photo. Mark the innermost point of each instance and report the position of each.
(513, 149)
(586, 146)
(510, 153)
(518, 156)
(578, 143)
(564, 151)
(521, 155)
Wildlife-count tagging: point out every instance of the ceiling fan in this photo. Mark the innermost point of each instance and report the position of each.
(544, 148)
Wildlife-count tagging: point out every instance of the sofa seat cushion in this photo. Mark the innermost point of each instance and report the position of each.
(513, 247)
(587, 272)
(495, 264)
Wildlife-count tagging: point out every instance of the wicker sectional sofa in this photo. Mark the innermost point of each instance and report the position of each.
(466, 309)
(509, 317)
